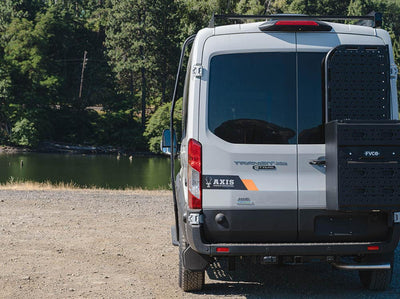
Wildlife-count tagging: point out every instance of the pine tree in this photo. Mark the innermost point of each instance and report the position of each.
(142, 44)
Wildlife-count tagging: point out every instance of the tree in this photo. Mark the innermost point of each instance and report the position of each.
(5, 87)
(25, 133)
(159, 121)
(391, 20)
(251, 7)
(127, 41)
(142, 44)
(133, 50)
(318, 7)
(165, 40)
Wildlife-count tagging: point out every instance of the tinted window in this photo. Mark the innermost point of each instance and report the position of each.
(311, 128)
(252, 98)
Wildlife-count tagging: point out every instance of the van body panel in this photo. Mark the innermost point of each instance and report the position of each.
(324, 42)
(224, 158)
(311, 178)
(273, 189)
(277, 189)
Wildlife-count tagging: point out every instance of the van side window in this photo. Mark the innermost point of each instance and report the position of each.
(252, 98)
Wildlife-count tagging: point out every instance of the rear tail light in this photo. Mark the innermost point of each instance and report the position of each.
(194, 174)
(294, 25)
(222, 249)
(373, 248)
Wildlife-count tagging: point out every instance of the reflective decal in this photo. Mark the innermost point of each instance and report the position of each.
(250, 185)
(222, 182)
(231, 182)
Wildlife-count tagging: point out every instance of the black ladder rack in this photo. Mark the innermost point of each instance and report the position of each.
(375, 17)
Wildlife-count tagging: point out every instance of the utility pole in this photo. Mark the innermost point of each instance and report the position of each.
(83, 71)
(266, 5)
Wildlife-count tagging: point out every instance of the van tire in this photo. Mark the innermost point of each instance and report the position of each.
(188, 280)
(376, 280)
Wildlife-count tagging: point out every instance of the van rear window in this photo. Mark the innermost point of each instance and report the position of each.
(253, 100)
(311, 129)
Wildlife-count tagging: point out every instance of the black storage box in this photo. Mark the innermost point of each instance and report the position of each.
(363, 165)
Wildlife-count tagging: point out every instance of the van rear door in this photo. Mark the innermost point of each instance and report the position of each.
(247, 128)
(315, 222)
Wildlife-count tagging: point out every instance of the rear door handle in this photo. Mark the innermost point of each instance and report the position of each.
(318, 162)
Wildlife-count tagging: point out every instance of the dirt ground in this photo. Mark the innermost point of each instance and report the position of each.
(117, 244)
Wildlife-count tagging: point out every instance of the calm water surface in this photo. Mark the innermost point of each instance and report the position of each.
(87, 170)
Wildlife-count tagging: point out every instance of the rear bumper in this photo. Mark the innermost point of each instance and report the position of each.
(193, 235)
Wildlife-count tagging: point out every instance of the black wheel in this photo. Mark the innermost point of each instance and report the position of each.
(188, 280)
(377, 280)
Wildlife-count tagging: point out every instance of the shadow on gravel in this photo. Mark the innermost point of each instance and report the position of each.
(300, 281)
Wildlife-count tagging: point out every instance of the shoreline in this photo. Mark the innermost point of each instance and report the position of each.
(69, 149)
(31, 185)
(6, 149)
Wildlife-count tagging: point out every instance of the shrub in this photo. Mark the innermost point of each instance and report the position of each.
(25, 133)
(159, 121)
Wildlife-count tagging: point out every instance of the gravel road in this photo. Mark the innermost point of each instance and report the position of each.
(116, 244)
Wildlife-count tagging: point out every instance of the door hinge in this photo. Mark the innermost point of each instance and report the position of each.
(393, 71)
(197, 70)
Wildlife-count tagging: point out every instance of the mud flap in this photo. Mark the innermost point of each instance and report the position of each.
(175, 241)
(195, 261)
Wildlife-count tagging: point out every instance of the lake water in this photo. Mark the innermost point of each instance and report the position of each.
(87, 170)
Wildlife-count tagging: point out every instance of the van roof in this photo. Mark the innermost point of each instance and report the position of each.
(253, 28)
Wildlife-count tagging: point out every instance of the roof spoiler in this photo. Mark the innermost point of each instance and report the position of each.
(373, 19)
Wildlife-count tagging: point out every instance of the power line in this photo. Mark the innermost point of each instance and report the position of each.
(79, 60)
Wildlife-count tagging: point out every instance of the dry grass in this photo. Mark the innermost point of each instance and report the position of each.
(30, 185)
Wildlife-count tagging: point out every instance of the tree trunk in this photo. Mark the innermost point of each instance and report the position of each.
(132, 95)
(143, 71)
(142, 18)
(163, 91)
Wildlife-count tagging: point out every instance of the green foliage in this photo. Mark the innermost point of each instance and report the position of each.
(143, 48)
(25, 133)
(159, 121)
(251, 7)
(118, 128)
(5, 81)
(319, 7)
(133, 50)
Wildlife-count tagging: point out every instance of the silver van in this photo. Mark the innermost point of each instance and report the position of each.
(262, 103)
